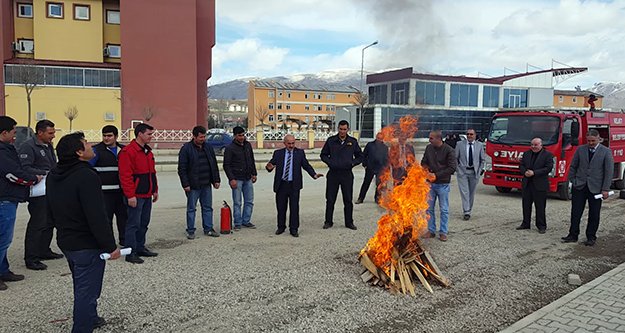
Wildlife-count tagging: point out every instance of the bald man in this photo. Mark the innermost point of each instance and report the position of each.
(535, 168)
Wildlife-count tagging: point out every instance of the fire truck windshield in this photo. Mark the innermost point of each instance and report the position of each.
(521, 129)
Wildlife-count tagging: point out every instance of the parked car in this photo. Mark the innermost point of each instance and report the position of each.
(219, 141)
(22, 133)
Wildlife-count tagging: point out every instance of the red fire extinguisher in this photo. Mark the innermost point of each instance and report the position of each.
(226, 219)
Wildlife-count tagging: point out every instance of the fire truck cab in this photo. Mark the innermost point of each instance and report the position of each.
(562, 132)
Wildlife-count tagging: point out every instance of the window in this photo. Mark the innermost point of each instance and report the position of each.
(82, 12)
(280, 117)
(560, 99)
(279, 106)
(399, 93)
(40, 116)
(306, 95)
(331, 96)
(109, 116)
(55, 10)
(574, 99)
(270, 117)
(430, 93)
(25, 10)
(463, 95)
(491, 97)
(288, 106)
(377, 94)
(288, 94)
(515, 98)
(112, 17)
(271, 93)
(279, 93)
(66, 76)
(306, 107)
(270, 106)
(113, 51)
(318, 107)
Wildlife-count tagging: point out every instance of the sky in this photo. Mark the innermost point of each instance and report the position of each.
(464, 37)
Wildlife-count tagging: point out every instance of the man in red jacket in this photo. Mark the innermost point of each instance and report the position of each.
(137, 177)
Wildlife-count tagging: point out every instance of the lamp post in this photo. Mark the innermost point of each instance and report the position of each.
(362, 71)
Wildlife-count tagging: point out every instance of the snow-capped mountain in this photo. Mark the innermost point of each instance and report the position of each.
(613, 94)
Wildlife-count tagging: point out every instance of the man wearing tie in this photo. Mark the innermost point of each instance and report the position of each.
(470, 158)
(535, 168)
(288, 182)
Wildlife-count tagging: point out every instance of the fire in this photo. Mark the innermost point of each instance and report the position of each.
(405, 201)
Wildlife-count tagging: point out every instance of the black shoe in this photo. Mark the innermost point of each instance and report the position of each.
(99, 323)
(249, 225)
(146, 253)
(36, 265)
(51, 256)
(135, 259)
(11, 277)
(351, 226)
(590, 242)
(569, 239)
(279, 231)
(3, 286)
(327, 225)
(211, 233)
(542, 231)
(359, 201)
(522, 227)
(294, 234)
(466, 217)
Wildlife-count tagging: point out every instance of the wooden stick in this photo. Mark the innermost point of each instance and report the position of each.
(401, 276)
(410, 284)
(424, 282)
(366, 276)
(444, 280)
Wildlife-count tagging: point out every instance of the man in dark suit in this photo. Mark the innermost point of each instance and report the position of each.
(590, 174)
(374, 159)
(288, 182)
(535, 166)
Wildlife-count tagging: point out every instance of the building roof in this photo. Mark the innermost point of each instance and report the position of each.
(576, 93)
(406, 73)
(303, 87)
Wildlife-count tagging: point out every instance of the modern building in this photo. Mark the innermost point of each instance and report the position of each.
(276, 105)
(454, 103)
(118, 62)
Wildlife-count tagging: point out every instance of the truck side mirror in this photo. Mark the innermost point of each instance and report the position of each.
(575, 133)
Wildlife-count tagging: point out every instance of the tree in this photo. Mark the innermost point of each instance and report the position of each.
(261, 114)
(360, 100)
(71, 114)
(29, 76)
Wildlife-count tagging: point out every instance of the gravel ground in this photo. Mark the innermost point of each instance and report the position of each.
(256, 281)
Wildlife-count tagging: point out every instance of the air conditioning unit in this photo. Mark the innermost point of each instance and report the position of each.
(40, 116)
(106, 51)
(109, 116)
(24, 46)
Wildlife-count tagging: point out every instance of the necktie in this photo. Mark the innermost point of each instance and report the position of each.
(470, 154)
(591, 153)
(287, 165)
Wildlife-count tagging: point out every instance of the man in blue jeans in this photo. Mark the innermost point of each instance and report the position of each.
(440, 160)
(240, 167)
(14, 185)
(197, 169)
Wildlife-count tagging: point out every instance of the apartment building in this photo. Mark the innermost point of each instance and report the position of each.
(576, 99)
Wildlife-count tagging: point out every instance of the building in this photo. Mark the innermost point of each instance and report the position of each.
(74, 47)
(276, 105)
(454, 103)
(576, 99)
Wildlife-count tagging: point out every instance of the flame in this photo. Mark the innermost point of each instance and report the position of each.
(405, 200)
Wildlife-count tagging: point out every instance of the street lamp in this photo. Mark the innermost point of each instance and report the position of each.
(362, 71)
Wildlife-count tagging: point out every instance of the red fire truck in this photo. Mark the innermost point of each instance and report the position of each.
(561, 131)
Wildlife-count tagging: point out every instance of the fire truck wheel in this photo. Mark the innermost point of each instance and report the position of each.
(501, 189)
(564, 190)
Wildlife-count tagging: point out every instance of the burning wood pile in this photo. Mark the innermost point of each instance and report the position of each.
(395, 258)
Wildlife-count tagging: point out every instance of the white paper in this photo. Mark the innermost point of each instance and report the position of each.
(124, 252)
(39, 189)
(600, 196)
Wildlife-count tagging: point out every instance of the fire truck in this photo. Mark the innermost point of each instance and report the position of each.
(562, 132)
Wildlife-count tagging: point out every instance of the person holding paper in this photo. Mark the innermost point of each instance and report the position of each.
(590, 174)
(76, 209)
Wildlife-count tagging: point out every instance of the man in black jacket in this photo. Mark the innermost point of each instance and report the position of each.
(374, 159)
(14, 185)
(106, 164)
(197, 169)
(75, 208)
(535, 168)
(37, 157)
(341, 153)
(240, 167)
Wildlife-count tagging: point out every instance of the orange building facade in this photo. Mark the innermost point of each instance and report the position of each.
(575, 99)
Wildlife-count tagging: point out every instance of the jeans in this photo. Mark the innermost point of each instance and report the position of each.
(137, 224)
(87, 274)
(205, 195)
(244, 189)
(7, 224)
(440, 191)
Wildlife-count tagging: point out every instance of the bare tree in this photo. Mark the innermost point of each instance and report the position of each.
(148, 113)
(71, 114)
(261, 114)
(30, 77)
(361, 100)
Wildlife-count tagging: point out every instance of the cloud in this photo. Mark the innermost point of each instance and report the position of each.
(255, 56)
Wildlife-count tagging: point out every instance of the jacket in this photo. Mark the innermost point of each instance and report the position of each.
(440, 161)
(375, 156)
(106, 164)
(239, 161)
(542, 167)
(462, 158)
(137, 171)
(597, 173)
(341, 155)
(75, 207)
(298, 162)
(14, 180)
(37, 157)
(188, 165)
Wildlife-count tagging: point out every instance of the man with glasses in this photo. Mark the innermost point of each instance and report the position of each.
(470, 159)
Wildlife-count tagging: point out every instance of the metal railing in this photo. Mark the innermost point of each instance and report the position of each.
(159, 135)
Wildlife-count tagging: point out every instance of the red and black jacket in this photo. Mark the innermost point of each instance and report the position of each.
(137, 172)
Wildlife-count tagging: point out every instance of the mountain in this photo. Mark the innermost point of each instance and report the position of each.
(237, 89)
(613, 94)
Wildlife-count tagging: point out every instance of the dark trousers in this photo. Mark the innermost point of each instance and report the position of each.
(87, 274)
(539, 198)
(288, 196)
(38, 231)
(115, 206)
(578, 204)
(345, 180)
(369, 174)
(137, 224)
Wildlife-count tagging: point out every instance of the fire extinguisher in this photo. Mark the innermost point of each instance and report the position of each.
(226, 219)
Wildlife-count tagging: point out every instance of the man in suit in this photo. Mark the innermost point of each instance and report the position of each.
(375, 157)
(535, 167)
(591, 174)
(287, 182)
(470, 157)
